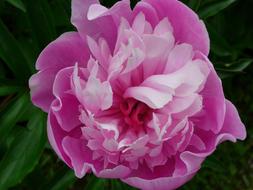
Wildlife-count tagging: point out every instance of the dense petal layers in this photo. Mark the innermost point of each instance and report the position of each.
(187, 26)
(65, 51)
(132, 94)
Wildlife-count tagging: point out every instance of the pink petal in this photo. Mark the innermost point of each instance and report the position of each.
(62, 83)
(41, 85)
(95, 95)
(139, 23)
(102, 23)
(55, 137)
(178, 57)
(149, 12)
(162, 183)
(152, 97)
(186, 24)
(66, 111)
(163, 26)
(181, 82)
(197, 142)
(95, 11)
(119, 171)
(156, 46)
(213, 103)
(179, 104)
(79, 155)
(65, 51)
(232, 123)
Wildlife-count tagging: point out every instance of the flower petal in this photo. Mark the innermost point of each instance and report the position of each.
(186, 24)
(163, 183)
(41, 85)
(65, 51)
(152, 97)
(102, 23)
(232, 123)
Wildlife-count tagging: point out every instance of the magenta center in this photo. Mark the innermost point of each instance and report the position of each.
(135, 112)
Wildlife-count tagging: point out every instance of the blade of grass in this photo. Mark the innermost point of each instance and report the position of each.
(18, 4)
(12, 55)
(11, 115)
(24, 152)
(40, 16)
(213, 9)
(65, 182)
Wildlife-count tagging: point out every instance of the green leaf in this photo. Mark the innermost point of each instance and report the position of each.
(10, 117)
(237, 66)
(233, 68)
(17, 3)
(23, 153)
(8, 89)
(65, 181)
(213, 9)
(214, 164)
(12, 55)
(60, 15)
(194, 4)
(240, 65)
(41, 19)
(95, 183)
(117, 184)
(219, 45)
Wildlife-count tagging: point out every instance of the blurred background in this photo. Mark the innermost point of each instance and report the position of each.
(26, 159)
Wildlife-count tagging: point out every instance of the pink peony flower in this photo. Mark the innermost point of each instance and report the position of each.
(132, 94)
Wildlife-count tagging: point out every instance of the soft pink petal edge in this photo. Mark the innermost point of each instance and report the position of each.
(100, 23)
(65, 51)
(188, 28)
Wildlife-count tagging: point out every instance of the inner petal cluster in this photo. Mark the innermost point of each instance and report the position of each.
(135, 113)
(138, 102)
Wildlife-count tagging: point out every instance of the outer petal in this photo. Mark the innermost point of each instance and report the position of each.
(233, 124)
(214, 102)
(149, 12)
(82, 161)
(66, 110)
(186, 24)
(79, 155)
(163, 183)
(55, 137)
(65, 51)
(101, 24)
(41, 85)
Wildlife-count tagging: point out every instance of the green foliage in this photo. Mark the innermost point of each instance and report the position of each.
(23, 152)
(214, 8)
(26, 160)
(17, 3)
(9, 47)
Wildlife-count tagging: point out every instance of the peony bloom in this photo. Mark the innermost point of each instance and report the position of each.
(132, 94)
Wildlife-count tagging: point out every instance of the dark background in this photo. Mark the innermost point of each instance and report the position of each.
(26, 159)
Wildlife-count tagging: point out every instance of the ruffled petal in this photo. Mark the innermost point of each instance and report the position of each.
(232, 123)
(101, 23)
(186, 24)
(163, 183)
(213, 114)
(41, 85)
(55, 137)
(65, 51)
(152, 97)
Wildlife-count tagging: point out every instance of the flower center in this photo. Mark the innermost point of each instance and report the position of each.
(135, 112)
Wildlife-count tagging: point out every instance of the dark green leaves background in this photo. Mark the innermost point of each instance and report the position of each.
(26, 159)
